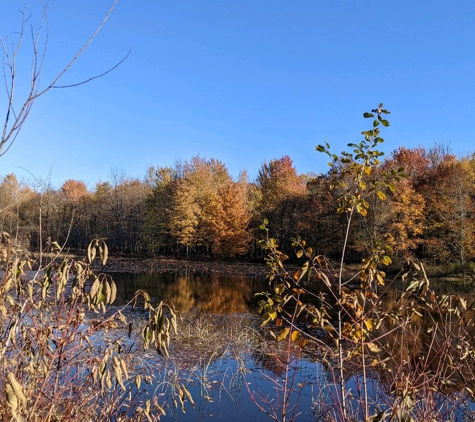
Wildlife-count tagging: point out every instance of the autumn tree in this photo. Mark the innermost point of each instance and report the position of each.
(404, 214)
(450, 199)
(156, 230)
(317, 221)
(280, 189)
(74, 198)
(118, 210)
(439, 193)
(229, 222)
(74, 190)
(415, 162)
(197, 193)
(12, 195)
(404, 220)
(196, 208)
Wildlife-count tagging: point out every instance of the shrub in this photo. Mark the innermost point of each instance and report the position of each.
(65, 352)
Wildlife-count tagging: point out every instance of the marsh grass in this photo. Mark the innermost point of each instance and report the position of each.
(207, 356)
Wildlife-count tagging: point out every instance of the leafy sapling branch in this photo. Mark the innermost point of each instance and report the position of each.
(355, 176)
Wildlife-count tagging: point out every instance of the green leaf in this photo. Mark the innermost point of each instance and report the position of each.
(368, 115)
(384, 122)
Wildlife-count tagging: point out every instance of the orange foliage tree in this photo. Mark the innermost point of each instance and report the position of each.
(281, 192)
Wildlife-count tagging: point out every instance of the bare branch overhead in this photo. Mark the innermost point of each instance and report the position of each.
(17, 111)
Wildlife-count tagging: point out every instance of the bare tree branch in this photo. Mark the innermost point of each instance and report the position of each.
(95, 77)
(15, 118)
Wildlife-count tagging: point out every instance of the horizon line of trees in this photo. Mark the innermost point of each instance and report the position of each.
(195, 209)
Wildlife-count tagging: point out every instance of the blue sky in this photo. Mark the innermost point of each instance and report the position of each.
(243, 82)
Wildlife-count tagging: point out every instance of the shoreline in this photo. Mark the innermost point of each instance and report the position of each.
(222, 268)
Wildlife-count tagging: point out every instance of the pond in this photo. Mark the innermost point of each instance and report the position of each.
(230, 368)
(219, 354)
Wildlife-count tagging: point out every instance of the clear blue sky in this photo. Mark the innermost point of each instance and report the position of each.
(243, 82)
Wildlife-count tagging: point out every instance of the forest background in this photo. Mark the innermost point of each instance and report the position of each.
(195, 209)
(247, 78)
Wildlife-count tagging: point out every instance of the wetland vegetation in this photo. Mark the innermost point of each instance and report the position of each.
(346, 326)
(317, 339)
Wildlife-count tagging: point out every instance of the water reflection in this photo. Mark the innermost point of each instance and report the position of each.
(217, 346)
(210, 294)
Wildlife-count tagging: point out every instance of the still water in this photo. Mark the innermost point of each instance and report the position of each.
(226, 365)
(211, 294)
(231, 370)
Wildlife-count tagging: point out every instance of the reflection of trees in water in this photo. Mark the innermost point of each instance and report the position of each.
(434, 346)
(212, 294)
(181, 293)
(408, 351)
(430, 348)
(272, 356)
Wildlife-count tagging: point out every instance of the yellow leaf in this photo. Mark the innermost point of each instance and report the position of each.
(283, 334)
(188, 394)
(372, 347)
(113, 292)
(298, 291)
(17, 388)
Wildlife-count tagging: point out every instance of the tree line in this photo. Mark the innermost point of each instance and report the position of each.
(195, 209)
